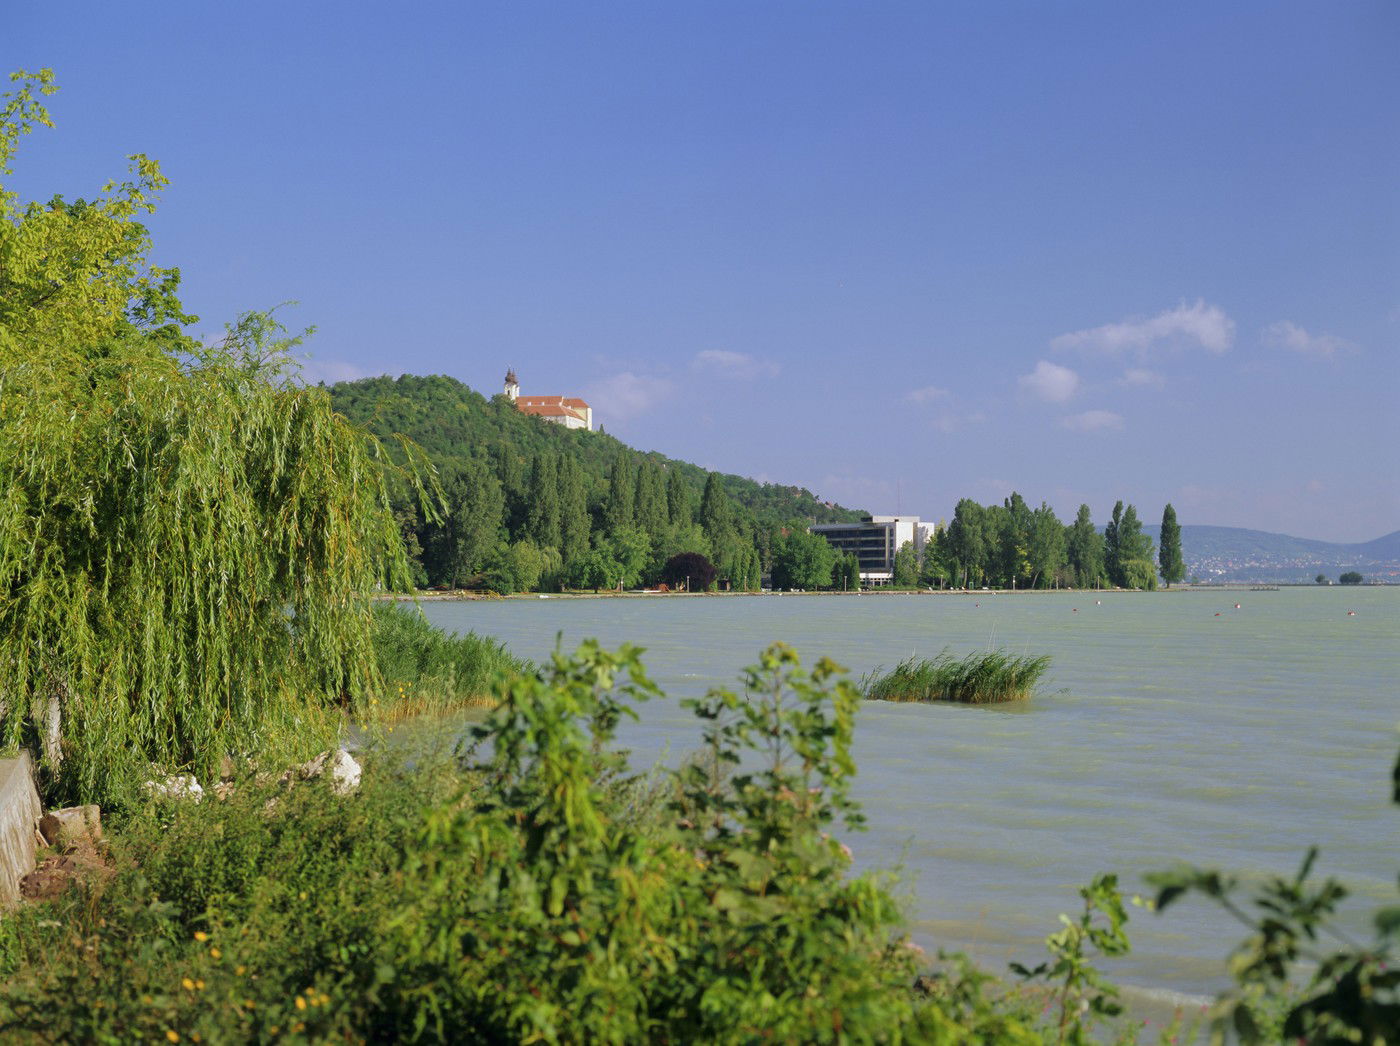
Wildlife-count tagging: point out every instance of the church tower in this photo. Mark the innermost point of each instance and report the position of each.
(512, 385)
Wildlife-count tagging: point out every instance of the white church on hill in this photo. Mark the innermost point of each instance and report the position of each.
(569, 411)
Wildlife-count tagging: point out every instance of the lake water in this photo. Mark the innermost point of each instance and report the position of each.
(1171, 726)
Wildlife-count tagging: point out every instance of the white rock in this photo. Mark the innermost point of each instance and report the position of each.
(177, 786)
(345, 772)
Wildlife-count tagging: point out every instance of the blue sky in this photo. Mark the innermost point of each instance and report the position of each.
(897, 253)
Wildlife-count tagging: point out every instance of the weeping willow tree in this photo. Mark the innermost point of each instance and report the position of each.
(188, 535)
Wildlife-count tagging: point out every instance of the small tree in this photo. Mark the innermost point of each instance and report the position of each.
(1321, 579)
(1169, 559)
(689, 569)
(906, 566)
(1351, 577)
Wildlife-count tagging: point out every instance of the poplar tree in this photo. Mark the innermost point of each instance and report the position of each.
(462, 541)
(678, 502)
(1169, 558)
(542, 504)
(618, 504)
(1085, 550)
(575, 524)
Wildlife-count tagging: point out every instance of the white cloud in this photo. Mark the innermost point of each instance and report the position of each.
(1201, 325)
(1142, 378)
(626, 395)
(1050, 382)
(1093, 421)
(927, 394)
(1288, 335)
(734, 364)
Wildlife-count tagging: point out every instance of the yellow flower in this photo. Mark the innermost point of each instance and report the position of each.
(199, 984)
(187, 984)
(172, 1035)
(299, 1027)
(214, 953)
(301, 1003)
(201, 936)
(301, 896)
(240, 971)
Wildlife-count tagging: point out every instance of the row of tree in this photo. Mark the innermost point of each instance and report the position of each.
(527, 505)
(1012, 545)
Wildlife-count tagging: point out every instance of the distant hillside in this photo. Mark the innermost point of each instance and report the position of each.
(1238, 554)
(528, 504)
(451, 421)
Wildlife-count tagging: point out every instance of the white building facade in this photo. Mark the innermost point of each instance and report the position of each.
(874, 541)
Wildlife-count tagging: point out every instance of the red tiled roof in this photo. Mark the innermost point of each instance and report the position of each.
(551, 401)
(548, 410)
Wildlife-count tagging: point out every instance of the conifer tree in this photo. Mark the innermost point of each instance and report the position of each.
(618, 505)
(575, 524)
(542, 505)
(1169, 558)
(678, 503)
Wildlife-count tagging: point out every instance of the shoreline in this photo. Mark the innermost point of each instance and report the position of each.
(471, 595)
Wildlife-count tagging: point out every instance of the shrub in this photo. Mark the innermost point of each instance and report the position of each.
(689, 570)
(533, 888)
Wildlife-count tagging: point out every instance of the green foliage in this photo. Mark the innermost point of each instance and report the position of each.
(187, 535)
(1128, 551)
(1085, 551)
(426, 670)
(1351, 577)
(532, 890)
(803, 560)
(689, 571)
(600, 488)
(846, 575)
(1079, 988)
(1169, 559)
(1321, 579)
(906, 566)
(978, 678)
(242, 920)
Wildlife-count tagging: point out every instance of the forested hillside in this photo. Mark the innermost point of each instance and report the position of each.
(529, 504)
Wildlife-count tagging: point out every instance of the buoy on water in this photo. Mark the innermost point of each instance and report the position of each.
(1351, 613)
(1237, 606)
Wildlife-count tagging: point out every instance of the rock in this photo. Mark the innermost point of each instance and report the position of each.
(345, 772)
(341, 765)
(71, 825)
(177, 786)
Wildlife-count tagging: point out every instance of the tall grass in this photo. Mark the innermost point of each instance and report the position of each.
(426, 671)
(978, 679)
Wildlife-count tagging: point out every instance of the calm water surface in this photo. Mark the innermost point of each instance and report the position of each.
(1172, 726)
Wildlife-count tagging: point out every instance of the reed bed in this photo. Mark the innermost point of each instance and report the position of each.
(426, 671)
(989, 677)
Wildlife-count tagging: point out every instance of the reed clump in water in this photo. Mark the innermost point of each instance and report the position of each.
(989, 677)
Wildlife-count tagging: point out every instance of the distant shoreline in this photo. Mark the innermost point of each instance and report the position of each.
(467, 595)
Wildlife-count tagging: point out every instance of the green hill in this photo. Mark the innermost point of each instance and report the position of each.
(522, 489)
